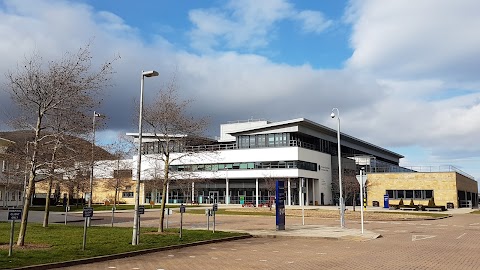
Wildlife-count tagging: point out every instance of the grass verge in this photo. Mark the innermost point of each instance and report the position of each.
(58, 243)
(421, 214)
(234, 212)
(77, 208)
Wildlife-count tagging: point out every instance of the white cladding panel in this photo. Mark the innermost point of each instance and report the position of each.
(226, 129)
(241, 155)
(323, 175)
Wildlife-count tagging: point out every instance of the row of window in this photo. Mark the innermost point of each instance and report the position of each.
(10, 196)
(157, 147)
(295, 164)
(264, 140)
(127, 194)
(410, 194)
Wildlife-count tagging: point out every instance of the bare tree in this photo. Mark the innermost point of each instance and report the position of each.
(349, 184)
(270, 184)
(65, 87)
(167, 118)
(11, 172)
(122, 177)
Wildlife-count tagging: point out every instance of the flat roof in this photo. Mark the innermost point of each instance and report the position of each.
(321, 128)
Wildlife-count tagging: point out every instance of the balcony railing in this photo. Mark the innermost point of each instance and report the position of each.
(211, 147)
(231, 146)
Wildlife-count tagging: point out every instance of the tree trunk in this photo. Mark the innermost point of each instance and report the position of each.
(115, 197)
(47, 202)
(31, 184)
(354, 200)
(162, 207)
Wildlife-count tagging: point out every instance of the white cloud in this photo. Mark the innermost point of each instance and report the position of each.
(424, 39)
(248, 24)
(313, 21)
(398, 88)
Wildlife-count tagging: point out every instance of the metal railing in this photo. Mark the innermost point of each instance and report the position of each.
(442, 168)
(231, 146)
(211, 147)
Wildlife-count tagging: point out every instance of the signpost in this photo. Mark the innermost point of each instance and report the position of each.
(303, 200)
(87, 214)
(280, 205)
(13, 214)
(208, 213)
(182, 210)
(141, 211)
(214, 209)
(168, 212)
(362, 178)
(113, 214)
(67, 208)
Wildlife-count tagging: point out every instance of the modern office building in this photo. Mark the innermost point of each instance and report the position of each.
(241, 166)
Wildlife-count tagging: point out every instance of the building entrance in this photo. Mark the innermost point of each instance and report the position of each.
(213, 196)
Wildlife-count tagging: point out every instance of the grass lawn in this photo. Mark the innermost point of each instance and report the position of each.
(235, 212)
(74, 208)
(63, 243)
(475, 212)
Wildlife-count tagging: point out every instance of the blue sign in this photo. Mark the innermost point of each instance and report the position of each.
(280, 205)
(385, 201)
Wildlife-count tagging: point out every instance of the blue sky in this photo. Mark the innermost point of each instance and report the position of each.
(403, 74)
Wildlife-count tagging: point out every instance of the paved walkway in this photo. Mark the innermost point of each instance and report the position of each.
(303, 246)
(260, 226)
(443, 244)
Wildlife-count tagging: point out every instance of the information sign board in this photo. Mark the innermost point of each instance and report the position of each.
(182, 208)
(280, 205)
(141, 209)
(87, 212)
(15, 214)
(386, 201)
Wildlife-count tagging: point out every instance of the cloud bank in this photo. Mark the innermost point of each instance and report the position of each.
(411, 80)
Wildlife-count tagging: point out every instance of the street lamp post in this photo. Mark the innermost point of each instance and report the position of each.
(95, 115)
(342, 206)
(136, 223)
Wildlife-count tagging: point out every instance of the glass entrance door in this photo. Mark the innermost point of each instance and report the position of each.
(213, 196)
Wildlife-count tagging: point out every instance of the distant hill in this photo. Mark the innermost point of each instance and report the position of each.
(79, 147)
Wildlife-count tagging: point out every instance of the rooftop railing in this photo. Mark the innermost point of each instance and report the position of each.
(443, 168)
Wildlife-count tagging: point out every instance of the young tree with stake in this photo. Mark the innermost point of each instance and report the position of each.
(68, 86)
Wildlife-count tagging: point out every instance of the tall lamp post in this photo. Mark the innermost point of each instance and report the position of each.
(342, 206)
(136, 229)
(95, 115)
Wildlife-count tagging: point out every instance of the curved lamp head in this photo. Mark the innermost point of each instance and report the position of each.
(332, 115)
(151, 73)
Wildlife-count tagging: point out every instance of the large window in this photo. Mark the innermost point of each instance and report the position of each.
(291, 164)
(263, 140)
(410, 194)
